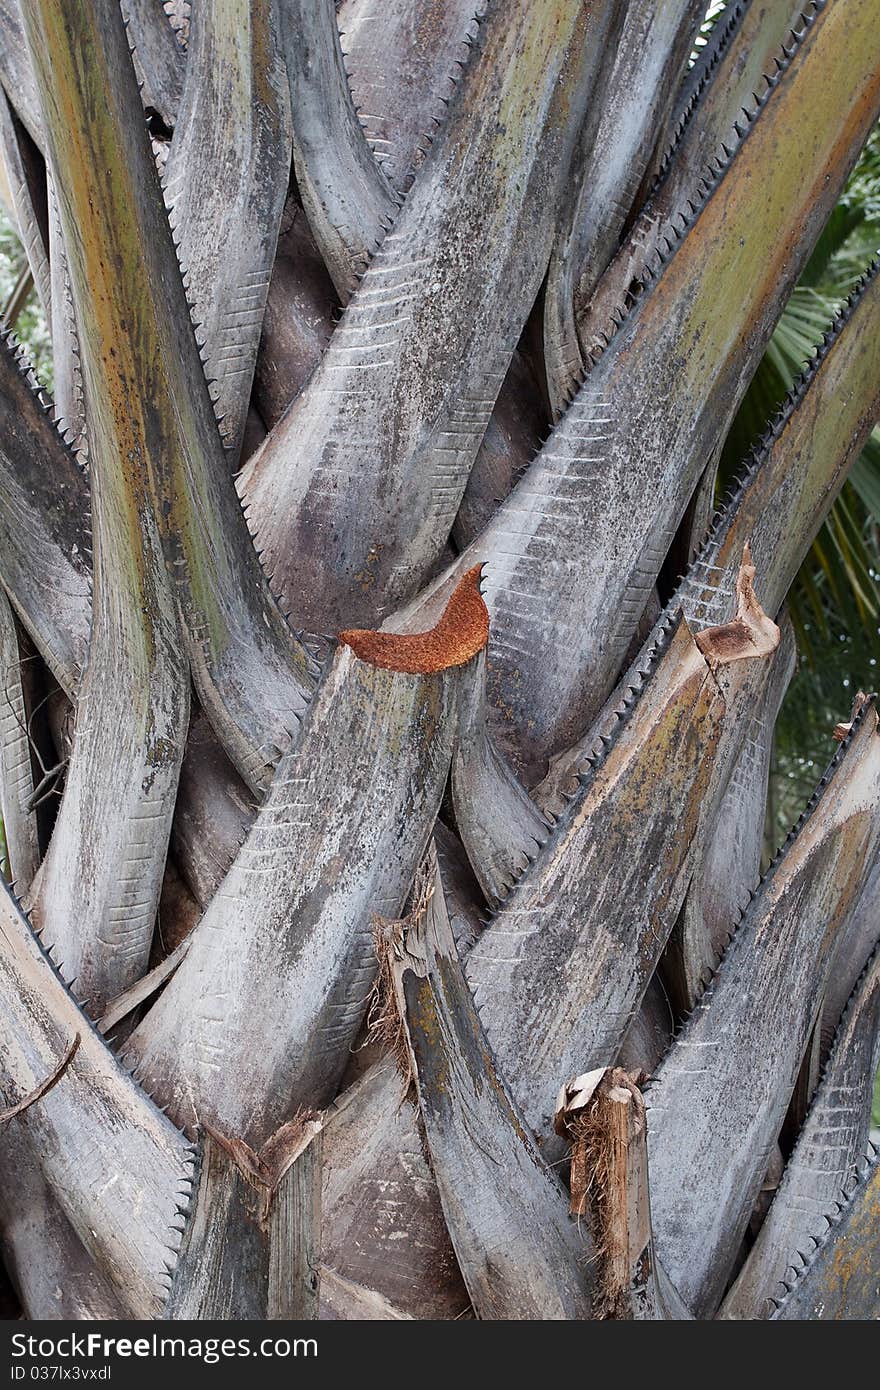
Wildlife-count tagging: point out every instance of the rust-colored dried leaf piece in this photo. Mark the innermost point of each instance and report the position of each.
(461, 632)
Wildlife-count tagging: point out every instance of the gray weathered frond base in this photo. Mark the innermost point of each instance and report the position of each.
(45, 511)
(54, 1274)
(520, 1253)
(829, 1150)
(352, 496)
(228, 162)
(560, 971)
(384, 1234)
(250, 1247)
(778, 505)
(719, 1098)
(648, 57)
(119, 1169)
(348, 199)
(745, 52)
(252, 675)
(840, 1281)
(734, 838)
(501, 846)
(585, 531)
(288, 938)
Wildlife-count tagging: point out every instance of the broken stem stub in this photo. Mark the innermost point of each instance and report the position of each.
(602, 1115)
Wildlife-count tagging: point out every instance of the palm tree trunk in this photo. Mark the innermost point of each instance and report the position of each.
(385, 935)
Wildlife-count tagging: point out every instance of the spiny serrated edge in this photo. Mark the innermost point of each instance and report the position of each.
(446, 84)
(210, 382)
(43, 399)
(640, 676)
(606, 743)
(90, 1026)
(673, 235)
(77, 439)
(811, 1237)
(729, 504)
(708, 988)
(700, 78)
(858, 1175)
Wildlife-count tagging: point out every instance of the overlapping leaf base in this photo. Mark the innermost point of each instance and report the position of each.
(386, 712)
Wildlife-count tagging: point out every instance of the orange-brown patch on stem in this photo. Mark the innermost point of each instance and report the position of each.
(750, 633)
(461, 631)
